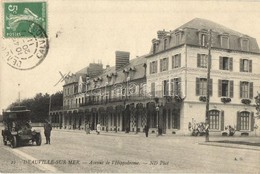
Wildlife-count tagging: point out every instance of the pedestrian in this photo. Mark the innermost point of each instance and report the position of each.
(87, 129)
(47, 132)
(98, 128)
(146, 130)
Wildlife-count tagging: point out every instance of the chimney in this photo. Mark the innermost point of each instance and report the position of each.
(161, 34)
(122, 59)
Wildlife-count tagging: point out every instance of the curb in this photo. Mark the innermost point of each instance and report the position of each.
(232, 146)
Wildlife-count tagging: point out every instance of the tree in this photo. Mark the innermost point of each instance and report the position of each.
(257, 101)
(39, 105)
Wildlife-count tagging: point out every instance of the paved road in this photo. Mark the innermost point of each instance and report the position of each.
(109, 152)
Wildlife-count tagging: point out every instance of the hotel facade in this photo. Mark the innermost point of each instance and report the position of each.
(167, 87)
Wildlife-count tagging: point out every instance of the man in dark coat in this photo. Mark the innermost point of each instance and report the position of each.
(47, 132)
(146, 130)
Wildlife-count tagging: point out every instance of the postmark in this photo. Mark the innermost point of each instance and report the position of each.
(25, 43)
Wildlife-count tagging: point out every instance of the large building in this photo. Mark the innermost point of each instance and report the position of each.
(167, 87)
(177, 65)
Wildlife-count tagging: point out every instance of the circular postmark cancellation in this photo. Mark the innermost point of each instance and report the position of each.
(28, 50)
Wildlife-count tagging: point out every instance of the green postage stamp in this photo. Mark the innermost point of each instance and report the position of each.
(18, 15)
(25, 42)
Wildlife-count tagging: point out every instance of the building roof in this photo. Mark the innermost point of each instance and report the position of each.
(200, 24)
(190, 34)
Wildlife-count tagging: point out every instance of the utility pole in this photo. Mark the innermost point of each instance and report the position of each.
(19, 95)
(208, 86)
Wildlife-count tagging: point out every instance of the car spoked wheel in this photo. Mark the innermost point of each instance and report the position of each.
(14, 142)
(38, 140)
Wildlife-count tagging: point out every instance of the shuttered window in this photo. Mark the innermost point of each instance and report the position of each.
(246, 90)
(153, 67)
(245, 45)
(245, 65)
(166, 87)
(244, 120)
(202, 60)
(226, 88)
(164, 64)
(153, 89)
(224, 42)
(203, 40)
(226, 63)
(175, 86)
(201, 86)
(176, 61)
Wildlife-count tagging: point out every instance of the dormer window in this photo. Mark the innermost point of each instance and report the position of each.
(178, 38)
(244, 44)
(224, 40)
(154, 48)
(203, 40)
(164, 44)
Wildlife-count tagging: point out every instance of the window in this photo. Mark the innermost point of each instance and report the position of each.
(153, 89)
(154, 48)
(176, 61)
(246, 90)
(244, 120)
(178, 38)
(226, 63)
(226, 88)
(202, 60)
(175, 86)
(201, 86)
(224, 42)
(164, 44)
(153, 67)
(164, 64)
(203, 40)
(245, 45)
(245, 65)
(214, 119)
(165, 87)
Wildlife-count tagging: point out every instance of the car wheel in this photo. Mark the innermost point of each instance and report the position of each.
(38, 140)
(14, 142)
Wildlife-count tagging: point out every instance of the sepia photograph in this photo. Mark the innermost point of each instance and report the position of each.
(131, 86)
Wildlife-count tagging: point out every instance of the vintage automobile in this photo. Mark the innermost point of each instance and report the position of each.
(18, 130)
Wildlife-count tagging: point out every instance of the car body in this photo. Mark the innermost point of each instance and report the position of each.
(18, 130)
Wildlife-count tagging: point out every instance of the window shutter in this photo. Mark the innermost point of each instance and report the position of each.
(219, 88)
(197, 86)
(198, 60)
(251, 87)
(161, 65)
(231, 88)
(238, 121)
(240, 89)
(179, 60)
(241, 65)
(156, 66)
(252, 121)
(167, 63)
(230, 64)
(222, 120)
(220, 62)
(151, 67)
(210, 87)
(250, 66)
(179, 86)
(173, 62)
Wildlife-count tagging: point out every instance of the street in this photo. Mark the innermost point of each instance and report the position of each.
(75, 151)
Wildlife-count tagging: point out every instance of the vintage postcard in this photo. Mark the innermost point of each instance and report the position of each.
(129, 86)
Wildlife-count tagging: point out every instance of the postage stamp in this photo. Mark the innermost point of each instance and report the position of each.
(17, 13)
(25, 42)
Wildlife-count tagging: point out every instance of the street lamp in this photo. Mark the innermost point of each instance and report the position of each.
(157, 112)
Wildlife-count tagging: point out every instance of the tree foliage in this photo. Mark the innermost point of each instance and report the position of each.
(39, 105)
(257, 101)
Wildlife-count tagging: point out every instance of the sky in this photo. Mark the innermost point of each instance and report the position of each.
(91, 31)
